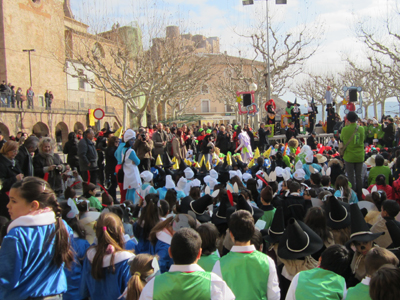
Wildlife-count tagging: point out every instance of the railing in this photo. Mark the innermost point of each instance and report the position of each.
(59, 106)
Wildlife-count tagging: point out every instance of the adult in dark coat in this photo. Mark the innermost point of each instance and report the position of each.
(111, 163)
(48, 162)
(263, 137)
(88, 157)
(331, 118)
(101, 146)
(312, 114)
(24, 157)
(71, 149)
(9, 173)
(389, 129)
(296, 115)
(291, 132)
(223, 140)
(311, 141)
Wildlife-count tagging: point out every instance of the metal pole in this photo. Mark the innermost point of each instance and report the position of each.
(30, 69)
(268, 63)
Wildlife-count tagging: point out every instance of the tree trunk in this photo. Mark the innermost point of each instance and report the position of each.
(164, 110)
(376, 109)
(153, 113)
(124, 115)
(323, 113)
(383, 107)
(366, 111)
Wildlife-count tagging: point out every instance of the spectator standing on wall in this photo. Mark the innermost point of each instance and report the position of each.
(29, 97)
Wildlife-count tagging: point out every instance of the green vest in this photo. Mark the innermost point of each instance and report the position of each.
(358, 292)
(179, 285)
(320, 284)
(246, 274)
(380, 132)
(268, 216)
(370, 131)
(207, 262)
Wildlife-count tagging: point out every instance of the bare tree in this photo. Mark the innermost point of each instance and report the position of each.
(315, 86)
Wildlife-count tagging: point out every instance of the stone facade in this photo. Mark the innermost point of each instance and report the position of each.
(43, 25)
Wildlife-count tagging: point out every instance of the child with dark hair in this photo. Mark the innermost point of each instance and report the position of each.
(37, 246)
(325, 282)
(385, 283)
(266, 197)
(209, 256)
(161, 235)
(316, 220)
(343, 191)
(171, 198)
(89, 192)
(186, 279)
(164, 209)
(105, 273)
(149, 217)
(257, 278)
(294, 205)
(326, 183)
(390, 209)
(258, 241)
(79, 244)
(315, 180)
(380, 184)
(375, 258)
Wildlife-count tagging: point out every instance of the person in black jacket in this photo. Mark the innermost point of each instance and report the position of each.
(71, 148)
(48, 162)
(24, 157)
(294, 205)
(311, 141)
(312, 113)
(111, 163)
(223, 140)
(263, 137)
(88, 156)
(291, 132)
(389, 130)
(9, 173)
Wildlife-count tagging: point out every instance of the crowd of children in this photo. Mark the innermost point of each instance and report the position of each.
(286, 224)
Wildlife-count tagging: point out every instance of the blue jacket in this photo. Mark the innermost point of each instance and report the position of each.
(143, 245)
(26, 260)
(306, 169)
(161, 251)
(74, 275)
(118, 152)
(112, 285)
(163, 191)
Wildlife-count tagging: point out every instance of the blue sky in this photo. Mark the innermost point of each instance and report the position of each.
(227, 18)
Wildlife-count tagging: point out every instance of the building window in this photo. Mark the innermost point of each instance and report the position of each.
(205, 106)
(204, 89)
(229, 108)
(81, 80)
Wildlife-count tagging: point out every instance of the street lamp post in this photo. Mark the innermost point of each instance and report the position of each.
(250, 2)
(30, 69)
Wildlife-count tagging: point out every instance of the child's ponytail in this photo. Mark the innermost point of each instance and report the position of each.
(141, 268)
(110, 239)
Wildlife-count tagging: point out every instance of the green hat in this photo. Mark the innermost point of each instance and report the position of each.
(208, 131)
(201, 129)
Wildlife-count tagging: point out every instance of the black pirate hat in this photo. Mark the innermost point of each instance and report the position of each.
(277, 228)
(337, 213)
(298, 241)
(360, 230)
(219, 214)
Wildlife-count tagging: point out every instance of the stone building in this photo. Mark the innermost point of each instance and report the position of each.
(48, 28)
